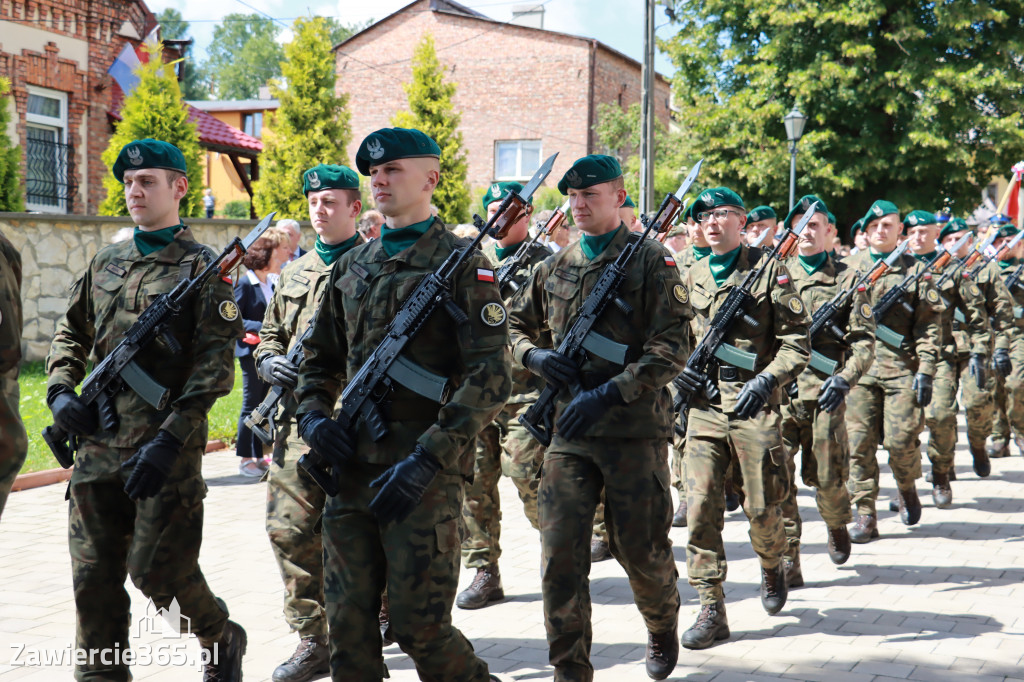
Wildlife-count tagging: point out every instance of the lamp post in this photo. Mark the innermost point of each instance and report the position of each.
(794, 122)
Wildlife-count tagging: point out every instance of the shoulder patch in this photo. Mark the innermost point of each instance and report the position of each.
(783, 279)
(228, 310)
(493, 314)
(484, 275)
(795, 304)
(975, 291)
(865, 311)
(670, 261)
(932, 296)
(679, 291)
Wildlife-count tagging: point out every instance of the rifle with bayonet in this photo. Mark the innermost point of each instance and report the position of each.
(119, 369)
(506, 274)
(968, 260)
(373, 383)
(1000, 254)
(897, 296)
(581, 337)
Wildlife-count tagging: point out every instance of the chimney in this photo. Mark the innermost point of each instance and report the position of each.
(531, 16)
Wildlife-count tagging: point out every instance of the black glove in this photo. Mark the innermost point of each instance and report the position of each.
(402, 486)
(278, 371)
(976, 368)
(152, 464)
(1001, 362)
(587, 408)
(70, 414)
(923, 387)
(328, 438)
(754, 395)
(792, 390)
(833, 393)
(556, 369)
(689, 381)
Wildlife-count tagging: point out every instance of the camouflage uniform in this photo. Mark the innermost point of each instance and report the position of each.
(715, 436)
(819, 435)
(1009, 394)
(417, 558)
(154, 540)
(624, 455)
(883, 405)
(503, 447)
(13, 440)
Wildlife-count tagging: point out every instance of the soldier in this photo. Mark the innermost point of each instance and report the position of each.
(741, 423)
(397, 516)
(860, 240)
(294, 501)
(613, 435)
(888, 403)
(1009, 396)
(628, 214)
(504, 446)
(136, 492)
(814, 419)
(957, 295)
(13, 439)
(759, 221)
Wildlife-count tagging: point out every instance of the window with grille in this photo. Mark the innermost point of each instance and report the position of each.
(48, 186)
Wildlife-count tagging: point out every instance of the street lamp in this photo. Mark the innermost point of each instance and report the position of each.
(794, 122)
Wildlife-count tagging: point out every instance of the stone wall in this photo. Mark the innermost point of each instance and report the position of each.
(55, 250)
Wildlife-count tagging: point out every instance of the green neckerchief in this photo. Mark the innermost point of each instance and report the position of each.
(595, 246)
(722, 266)
(1012, 263)
(925, 257)
(701, 252)
(812, 264)
(149, 242)
(875, 256)
(393, 241)
(504, 252)
(331, 252)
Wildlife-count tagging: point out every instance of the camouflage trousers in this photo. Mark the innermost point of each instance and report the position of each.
(678, 478)
(13, 440)
(502, 447)
(713, 440)
(886, 412)
(294, 506)
(824, 448)
(940, 415)
(1008, 399)
(418, 560)
(155, 541)
(638, 512)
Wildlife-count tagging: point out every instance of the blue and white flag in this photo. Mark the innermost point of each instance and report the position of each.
(124, 68)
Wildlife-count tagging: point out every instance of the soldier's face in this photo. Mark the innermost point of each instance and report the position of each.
(884, 233)
(333, 215)
(696, 234)
(403, 187)
(860, 240)
(724, 234)
(519, 230)
(152, 195)
(629, 218)
(817, 235)
(756, 230)
(950, 239)
(595, 209)
(922, 238)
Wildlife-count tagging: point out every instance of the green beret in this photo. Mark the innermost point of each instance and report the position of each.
(388, 144)
(589, 171)
(688, 212)
(918, 218)
(499, 190)
(803, 206)
(628, 203)
(952, 227)
(715, 197)
(880, 209)
(1008, 230)
(329, 176)
(148, 153)
(857, 227)
(831, 217)
(761, 213)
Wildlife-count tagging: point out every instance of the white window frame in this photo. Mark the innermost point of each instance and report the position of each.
(521, 175)
(60, 124)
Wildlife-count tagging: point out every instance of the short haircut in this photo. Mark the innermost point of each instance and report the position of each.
(618, 183)
(289, 225)
(173, 175)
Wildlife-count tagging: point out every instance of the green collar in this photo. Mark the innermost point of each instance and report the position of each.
(1012, 263)
(503, 252)
(331, 252)
(595, 246)
(875, 256)
(701, 252)
(394, 241)
(150, 242)
(925, 257)
(722, 266)
(812, 264)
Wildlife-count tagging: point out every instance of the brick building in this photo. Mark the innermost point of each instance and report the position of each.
(523, 92)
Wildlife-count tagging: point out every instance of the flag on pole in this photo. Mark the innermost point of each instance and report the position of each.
(124, 68)
(1013, 206)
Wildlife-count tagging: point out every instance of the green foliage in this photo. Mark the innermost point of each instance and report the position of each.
(155, 109)
(545, 198)
(310, 127)
(238, 209)
(195, 83)
(432, 111)
(244, 55)
(910, 100)
(11, 198)
(340, 32)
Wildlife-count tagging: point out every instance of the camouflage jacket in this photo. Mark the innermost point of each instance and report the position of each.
(962, 298)
(998, 307)
(10, 309)
(855, 352)
(117, 286)
(655, 332)
(919, 351)
(364, 293)
(1017, 296)
(779, 341)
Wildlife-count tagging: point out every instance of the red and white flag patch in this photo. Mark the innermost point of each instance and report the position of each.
(783, 279)
(484, 275)
(670, 261)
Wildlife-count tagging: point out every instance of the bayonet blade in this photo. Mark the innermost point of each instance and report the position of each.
(798, 230)
(897, 254)
(258, 231)
(960, 242)
(538, 177)
(690, 179)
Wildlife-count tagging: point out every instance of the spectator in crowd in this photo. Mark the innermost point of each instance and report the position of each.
(294, 232)
(369, 225)
(208, 202)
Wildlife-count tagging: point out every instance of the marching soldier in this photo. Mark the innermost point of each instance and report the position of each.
(1009, 397)
(294, 501)
(136, 492)
(759, 221)
(397, 516)
(741, 423)
(504, 446)
(613, 435)
(814, 420)
(888, 403)
(857, 236)
(13, 439)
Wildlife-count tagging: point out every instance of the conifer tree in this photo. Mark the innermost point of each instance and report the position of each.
(11, 198)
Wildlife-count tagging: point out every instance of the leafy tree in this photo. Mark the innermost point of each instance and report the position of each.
(910, 100)
(244, 55)
(340, 32)
(310, 127)
(155, 109)
(11, 198)
(432, 111)
(194, 81)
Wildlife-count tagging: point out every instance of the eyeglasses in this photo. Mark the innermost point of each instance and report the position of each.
(718, 214)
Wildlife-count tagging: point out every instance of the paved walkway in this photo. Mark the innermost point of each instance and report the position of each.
(943, 600)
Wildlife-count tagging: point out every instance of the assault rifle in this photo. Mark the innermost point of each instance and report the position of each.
(1013, 281)
(966, 261)
(897, 296)
(505, 276)
(996, 255)
(372, 384)
(581, 337)
(119, 369)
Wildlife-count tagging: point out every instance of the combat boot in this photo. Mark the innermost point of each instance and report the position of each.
(982, 465)
(774, 589)
(1019, 442)
(732, 500)
(312, 658)
(226, 661)
(599, 550)
(928, 477)
(679, 518)
(996, 448)
(711, 626)
(662, 653)
(384, 619)
(910, 506)
(794, 576)
(942, 493)
(485, 589)
(839, 544)
(865, 529)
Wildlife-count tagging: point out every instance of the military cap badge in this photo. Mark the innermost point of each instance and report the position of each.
(375, 149)
(573, 178)
(314, 180)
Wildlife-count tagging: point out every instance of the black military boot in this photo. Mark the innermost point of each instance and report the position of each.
(996, 449)
(384, 619)
(865, 529)
(774, 589)
(928, 477)
(679, 518)
(732, 500)
(662, 653)
(794, 576)
(942, 492)
(839, 545)
(228, 656)
(312, 658)
(485, 589)
(711, 626)
(982, 465)
(599, 550)
(910, 506)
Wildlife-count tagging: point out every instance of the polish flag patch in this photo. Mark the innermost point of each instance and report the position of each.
(783, 279)
(927, 275)
(862, 288)
(670, 261)
(484, 275)
(226, 279)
